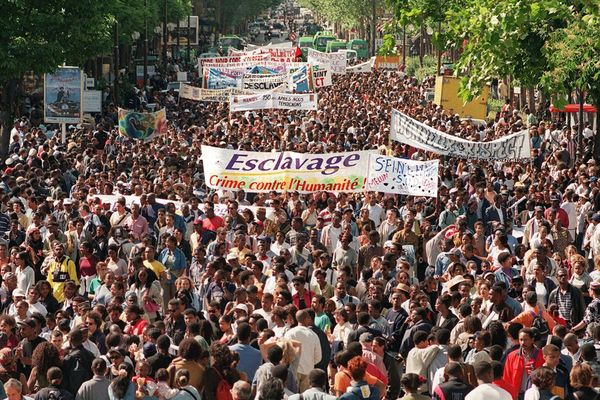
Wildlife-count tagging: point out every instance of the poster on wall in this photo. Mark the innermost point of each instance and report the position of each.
(63, 93)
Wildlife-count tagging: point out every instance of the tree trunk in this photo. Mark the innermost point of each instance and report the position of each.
(7, 114)
(597, 135)
(421, 47)
(530, 98)
(580, 123)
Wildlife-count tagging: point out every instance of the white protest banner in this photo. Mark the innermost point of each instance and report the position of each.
(400, 176)
(321, 76)
(366, 66)
(284, 171)
(248, 60)
(211, 95)
(92, 101)
(220, 209)
(405, 129)
(263, 83)
(336, 62)
(273, 100)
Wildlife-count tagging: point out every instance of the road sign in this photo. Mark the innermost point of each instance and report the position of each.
(293, 36)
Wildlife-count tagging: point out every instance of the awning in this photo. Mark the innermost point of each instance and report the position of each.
(573, 108)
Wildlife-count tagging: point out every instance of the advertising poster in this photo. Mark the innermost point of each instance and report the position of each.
(63, 93)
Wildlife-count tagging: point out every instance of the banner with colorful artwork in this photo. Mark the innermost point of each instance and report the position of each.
(400, 176)
(142, 126)
(284, 171)
(300, 81)
(63, 93)
(405, 129)
(217, 79)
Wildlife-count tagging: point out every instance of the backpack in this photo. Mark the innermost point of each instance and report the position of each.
(223, 388)
(540, 324)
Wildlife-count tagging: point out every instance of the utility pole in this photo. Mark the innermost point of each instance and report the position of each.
(164, 50)
(116, 65)
(145, 42)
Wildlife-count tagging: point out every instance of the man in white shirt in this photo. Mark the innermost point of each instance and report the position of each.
(310, 345)
(376, 212)
(486, 389)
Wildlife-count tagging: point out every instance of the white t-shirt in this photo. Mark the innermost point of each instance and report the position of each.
(488, 391)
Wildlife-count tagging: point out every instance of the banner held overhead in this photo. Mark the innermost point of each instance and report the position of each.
(404, 129)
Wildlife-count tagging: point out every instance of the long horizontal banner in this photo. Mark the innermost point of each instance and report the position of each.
(240, 59)
(142, 126)
(262, 82)
(366, 66)
(210, 95)
(336, 62)
(284, 171)
(276, 53)
(220, 209)
(400, 176)
(273, 100)
(407, 130)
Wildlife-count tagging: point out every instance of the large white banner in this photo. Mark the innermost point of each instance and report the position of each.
(400, 176)
(405, 129)
(284, 171)
(336, 62)
(262, 82)
(210, 95)
(274, 100)
(321, 76)
(366, 66)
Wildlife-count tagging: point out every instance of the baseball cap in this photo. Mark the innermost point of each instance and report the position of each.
(596, 217)
(242, 307)
(19, 293)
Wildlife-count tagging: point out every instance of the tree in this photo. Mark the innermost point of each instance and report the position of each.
(40, 36)
(573, 55)
(503, 38)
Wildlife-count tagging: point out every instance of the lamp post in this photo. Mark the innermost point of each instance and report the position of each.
(116, 64)
(189, 39)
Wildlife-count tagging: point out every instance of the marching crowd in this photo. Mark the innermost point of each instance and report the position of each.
(124, 276)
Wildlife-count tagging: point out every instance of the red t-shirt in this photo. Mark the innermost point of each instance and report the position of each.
(212, 224)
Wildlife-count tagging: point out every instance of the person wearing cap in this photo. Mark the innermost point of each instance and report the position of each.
(561, 214)
(61, 270)
(30, 340)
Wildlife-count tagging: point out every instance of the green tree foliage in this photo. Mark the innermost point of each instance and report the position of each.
(505, 38)
(40, 35)
(348, 13)
(234, 13)
(389, 46)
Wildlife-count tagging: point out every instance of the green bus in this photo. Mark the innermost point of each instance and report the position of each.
(227, 41)
(320, 40)
(335, 45)
(305, 43)
(360, 46)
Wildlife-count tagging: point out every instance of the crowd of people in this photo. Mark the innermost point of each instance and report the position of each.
(124, 276)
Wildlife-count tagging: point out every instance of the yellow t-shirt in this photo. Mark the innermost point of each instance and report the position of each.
(155, 266)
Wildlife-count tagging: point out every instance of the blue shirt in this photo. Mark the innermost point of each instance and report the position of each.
(250, 359)
(179, 261)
